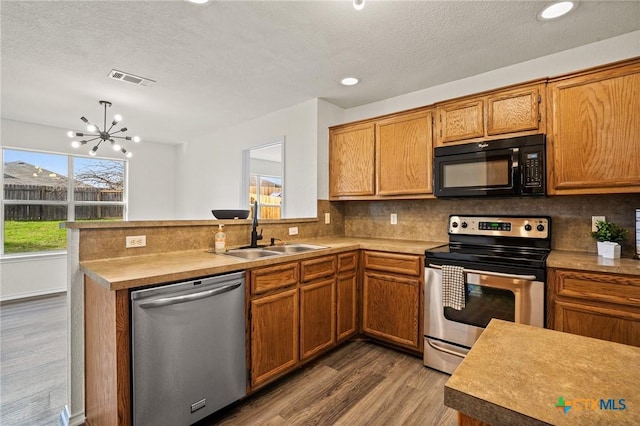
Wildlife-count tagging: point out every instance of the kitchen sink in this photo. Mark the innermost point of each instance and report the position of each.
(293, 248)
(251, 254)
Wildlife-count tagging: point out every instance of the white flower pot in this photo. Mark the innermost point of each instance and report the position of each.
(608, 249)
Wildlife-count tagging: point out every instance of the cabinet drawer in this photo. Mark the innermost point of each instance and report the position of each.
(273, 277)
(621, 289)
(316, 268)
(391, 262)
(347, 261)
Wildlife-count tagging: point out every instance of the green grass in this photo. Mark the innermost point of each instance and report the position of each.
(30, 236)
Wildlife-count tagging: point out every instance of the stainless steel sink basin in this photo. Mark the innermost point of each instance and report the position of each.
(251, 254)
(293, 248)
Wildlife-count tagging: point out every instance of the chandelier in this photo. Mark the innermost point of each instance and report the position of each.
(102, 135)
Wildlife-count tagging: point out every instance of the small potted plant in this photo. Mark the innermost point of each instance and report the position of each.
(608, 232)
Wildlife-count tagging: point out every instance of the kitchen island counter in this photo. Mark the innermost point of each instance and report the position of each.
(516, 374)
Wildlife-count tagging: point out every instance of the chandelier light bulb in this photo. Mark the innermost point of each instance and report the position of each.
(91, 128)
(93, 151)
(75, 144)
(358, 4)
(71, 133)
(136, 139)
(117, 118)
(116, 147)
(129, 154)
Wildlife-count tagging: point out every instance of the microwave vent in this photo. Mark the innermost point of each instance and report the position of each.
(125, 76)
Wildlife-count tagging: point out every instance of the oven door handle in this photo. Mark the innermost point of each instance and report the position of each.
(492, 274)
(445, 350)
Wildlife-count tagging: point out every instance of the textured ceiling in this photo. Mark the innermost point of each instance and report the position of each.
(228, 62)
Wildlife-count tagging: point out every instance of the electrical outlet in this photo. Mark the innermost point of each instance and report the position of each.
(327, 218)
(394, 218)
(136, 241)
(595, 219)
(293, 230)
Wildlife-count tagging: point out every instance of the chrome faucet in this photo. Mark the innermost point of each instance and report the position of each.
(254, 227)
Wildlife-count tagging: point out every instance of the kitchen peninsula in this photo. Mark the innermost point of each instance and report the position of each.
(521, 375)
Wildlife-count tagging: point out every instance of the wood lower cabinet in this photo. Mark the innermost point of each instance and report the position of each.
(603, 306)
(347, 296)
(508, 112)
(392, 302)
(593, 131)
(274, 335)
(317, 317)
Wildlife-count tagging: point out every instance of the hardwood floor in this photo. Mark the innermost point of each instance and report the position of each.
(33, 361)
(359, 384)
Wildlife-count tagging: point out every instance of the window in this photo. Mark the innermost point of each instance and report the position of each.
(263, 166)
(267, 190)
(38, 195)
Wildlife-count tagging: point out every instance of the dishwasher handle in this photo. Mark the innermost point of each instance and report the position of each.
(164, 301)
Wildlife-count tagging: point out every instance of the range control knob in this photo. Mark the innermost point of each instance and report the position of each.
(464, 224)
(540, 227)
(454, 224)
(527, 227)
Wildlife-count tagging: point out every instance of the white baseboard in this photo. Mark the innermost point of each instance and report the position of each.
(32, 295)
(77, 419)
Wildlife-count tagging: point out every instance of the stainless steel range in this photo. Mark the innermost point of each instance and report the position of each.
(497, 266)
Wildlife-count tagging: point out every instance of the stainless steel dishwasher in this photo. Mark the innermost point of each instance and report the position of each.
(188, 349)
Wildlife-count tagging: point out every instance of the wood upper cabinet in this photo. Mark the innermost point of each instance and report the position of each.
(594, 122)
(274, 335)
(317, 317)
(404, 153)
(603, 306)
(389, 156)
(391, 301)
(513, 111)
(352, 160)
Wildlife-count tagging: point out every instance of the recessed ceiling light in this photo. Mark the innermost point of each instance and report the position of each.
(349, 81)
(556, 10)
(198, 1)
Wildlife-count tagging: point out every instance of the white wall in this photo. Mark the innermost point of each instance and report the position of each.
(210, 167)
(602, 52)
(151, 196)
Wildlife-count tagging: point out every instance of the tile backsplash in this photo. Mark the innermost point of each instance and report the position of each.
(427, 219)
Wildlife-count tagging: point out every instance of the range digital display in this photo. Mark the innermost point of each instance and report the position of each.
(494, 226)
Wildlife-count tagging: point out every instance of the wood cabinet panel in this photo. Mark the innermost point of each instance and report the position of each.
(274, 335)
(317, 317)
(594, 122)
(603, 306)
(393, 262)
(404, 154)
(460, 121)
(391, 308)
(513, 111)
(319, 267)
(352, 160)
(347, 261)
(274, 277)
(347, 306)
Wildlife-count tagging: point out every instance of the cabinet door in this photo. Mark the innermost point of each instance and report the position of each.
(317, 317)
(347, 306)
(606, 322)
(404, 151)
(593, 133)
(513, 111)
(391, 308)
(460, 120)
(274, 336)
(319, 267)
(351, 160)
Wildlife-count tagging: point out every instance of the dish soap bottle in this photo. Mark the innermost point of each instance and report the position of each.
(220, 240)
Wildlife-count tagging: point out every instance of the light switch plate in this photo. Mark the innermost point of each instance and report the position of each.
(595, 219)
(293, 230)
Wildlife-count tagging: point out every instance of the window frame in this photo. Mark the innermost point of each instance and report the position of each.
(70, 203)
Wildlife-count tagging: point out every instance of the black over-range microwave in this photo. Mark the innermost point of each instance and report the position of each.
(512, 167)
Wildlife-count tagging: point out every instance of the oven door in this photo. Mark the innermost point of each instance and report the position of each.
(477, 173)
(510, 297)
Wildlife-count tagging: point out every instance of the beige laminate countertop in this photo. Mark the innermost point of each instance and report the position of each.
(139, 271)
(592, 262)
(514, 375)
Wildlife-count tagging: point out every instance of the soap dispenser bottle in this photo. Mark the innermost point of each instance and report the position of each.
(220, 240)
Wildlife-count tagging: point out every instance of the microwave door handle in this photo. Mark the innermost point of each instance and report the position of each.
(515, 168)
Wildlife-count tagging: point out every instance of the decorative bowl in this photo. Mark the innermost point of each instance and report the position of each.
(230, 214)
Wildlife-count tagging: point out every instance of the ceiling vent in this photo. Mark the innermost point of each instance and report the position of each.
(125, 76)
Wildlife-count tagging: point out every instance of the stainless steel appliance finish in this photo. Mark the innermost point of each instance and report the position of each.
(188, 349)
(504, 269)
(499, 168)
